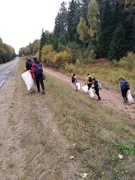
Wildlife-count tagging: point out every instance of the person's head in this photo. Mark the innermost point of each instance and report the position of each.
(93, 78)
(34, 58)
(27, 57)
(121, 79)
(88, 74)
(73, 74)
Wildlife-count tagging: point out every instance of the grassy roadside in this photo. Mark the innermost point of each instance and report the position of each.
(97, 135)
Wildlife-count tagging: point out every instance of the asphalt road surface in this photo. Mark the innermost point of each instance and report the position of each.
(7, 70)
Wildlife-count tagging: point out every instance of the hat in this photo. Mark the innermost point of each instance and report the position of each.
(27, 57)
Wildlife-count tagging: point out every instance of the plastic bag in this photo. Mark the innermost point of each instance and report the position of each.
(85, 88)
(129, 97)
(78, 86)
(91, 92)
(29, 82)
(99, 86)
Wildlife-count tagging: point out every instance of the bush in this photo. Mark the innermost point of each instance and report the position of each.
(62, 58)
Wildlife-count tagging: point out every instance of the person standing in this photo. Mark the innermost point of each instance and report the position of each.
(89, 81)
(124, 86)
(95, 82)
(39, 77)
(74, 82)
(28, 63)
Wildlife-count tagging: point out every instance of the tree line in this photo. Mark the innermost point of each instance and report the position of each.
(90, 29)
(7, 52)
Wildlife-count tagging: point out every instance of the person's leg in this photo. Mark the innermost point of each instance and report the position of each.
(124, 93)
(89, 86)
(37, 82)
(97, 93)
(42, 84)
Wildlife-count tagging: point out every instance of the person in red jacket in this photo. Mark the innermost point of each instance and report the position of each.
(33, 70)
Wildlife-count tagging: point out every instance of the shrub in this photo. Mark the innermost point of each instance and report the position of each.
(48, 55)
(62, 58)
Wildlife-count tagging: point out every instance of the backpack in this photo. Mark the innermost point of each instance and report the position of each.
(99, 86)
(127, 85)
(90, 80)
(39, 69)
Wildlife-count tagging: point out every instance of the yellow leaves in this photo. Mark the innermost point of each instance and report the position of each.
(91, 32)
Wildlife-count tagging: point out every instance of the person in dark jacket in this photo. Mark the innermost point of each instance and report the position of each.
(74, 82)
(28, 63)
(124, 86)
(39, 77)
(36, 61)
(95, 82)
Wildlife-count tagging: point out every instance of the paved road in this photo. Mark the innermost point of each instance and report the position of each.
(7, 70)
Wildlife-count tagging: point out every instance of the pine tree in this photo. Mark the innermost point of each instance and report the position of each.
(73, 20)
(105, 31)
(117, 47)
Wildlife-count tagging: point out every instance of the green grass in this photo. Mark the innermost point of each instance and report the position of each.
(99, 135)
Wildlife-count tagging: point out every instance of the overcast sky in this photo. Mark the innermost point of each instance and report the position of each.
(21, 21)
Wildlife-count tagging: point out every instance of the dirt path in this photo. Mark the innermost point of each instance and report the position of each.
(110, 98)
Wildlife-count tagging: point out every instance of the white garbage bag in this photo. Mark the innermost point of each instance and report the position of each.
(91, 92)
(129, 97)
(29, 82)
(85, 88)
(78, 86)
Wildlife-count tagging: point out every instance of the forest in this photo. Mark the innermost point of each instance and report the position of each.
(7, 52)
(86, 30)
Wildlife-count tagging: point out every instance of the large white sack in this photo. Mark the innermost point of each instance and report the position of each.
(78, 86)
(129, 97)
(85, 88)
(29, 82)
(91, 91)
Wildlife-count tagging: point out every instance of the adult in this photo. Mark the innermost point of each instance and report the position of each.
(39, 76)
(95, 82)
(28, 63)
(89, 81)
(74, 82)
(124, 86)
(36, 61)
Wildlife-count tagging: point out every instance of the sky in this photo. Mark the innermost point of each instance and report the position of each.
(22, 21)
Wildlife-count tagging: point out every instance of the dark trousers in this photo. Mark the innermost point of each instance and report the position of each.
(89, 86)
(124, 94)
(39, 81)
(97, 93)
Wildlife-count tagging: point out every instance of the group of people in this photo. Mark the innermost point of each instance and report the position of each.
(94, 84)
(36, 70)
(90, 82)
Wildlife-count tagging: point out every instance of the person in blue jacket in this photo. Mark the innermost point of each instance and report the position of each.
(124, 86)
